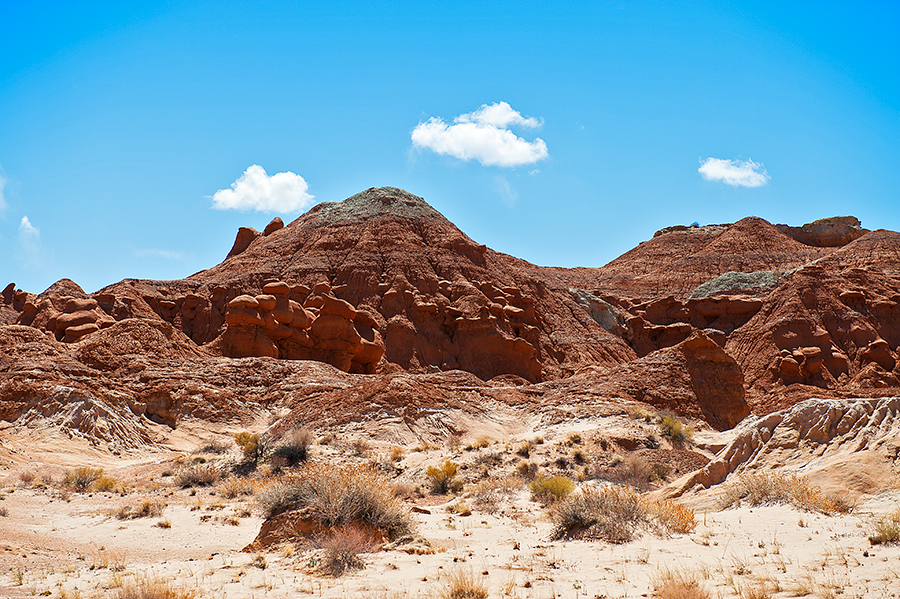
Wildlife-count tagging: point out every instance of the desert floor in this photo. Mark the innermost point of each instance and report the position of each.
(60, 543)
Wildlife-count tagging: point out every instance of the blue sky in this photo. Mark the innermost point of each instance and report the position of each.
(561, 135)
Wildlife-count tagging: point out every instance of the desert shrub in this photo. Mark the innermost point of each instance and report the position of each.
(155, 588)
(614, 514)
(660, 472)
(526, 469)
(641, 413)
(294, 448)
(487, 494)
(27, 477)
(551, 488)
(678, 585)
(235, 486)
(886, 529)
(4, 512)
(338, 496)
(147, 508)
(524, 449)
(197, 475)
(81, 478)
(675, 430)
(104, 483)
(251, 446)
(342, 548)
(462, 584)
(443, 479)
(215, 447)
(766, 487)
(672, 517)
(573, 439)
(397, 453)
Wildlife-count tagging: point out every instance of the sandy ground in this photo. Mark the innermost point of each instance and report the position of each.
(65, 544)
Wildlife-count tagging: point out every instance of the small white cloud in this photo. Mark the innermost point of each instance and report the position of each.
(483, 135)
(28, 245)
(28, 232)
(255, 190)
(734, 172)
(157, 253)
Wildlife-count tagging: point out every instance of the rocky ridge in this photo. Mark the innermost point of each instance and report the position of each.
(710, 322)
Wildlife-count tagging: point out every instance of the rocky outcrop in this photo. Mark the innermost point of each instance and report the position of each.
(826, 232)
(299, 323)
(841, 445)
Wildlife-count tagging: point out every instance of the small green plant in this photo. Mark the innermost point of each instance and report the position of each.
(886, 529)
(443, 479)
(675, 430)
(81, 478)
(549, 489)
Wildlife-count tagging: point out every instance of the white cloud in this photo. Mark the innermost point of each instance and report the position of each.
(255, 190)
(734, 172)
(157, 253)
(28, 233)
(483, 135)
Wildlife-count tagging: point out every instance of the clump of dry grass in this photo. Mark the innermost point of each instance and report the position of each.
(487, 494)
(339, 496)
(155, 588)
(551, 488)
(146, 508)
(80, 479)
(342, 548)
(675, 430)
(462, 584)
(443, 479)
(197, 475)
(293, 449)
(886, 529)
(767, 488)
(235, 486)
(614, 514)
(678, 584)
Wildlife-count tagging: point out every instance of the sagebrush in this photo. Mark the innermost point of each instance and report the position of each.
(339, 496)
(615, 514)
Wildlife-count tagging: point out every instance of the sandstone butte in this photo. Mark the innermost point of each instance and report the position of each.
(379, 307)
